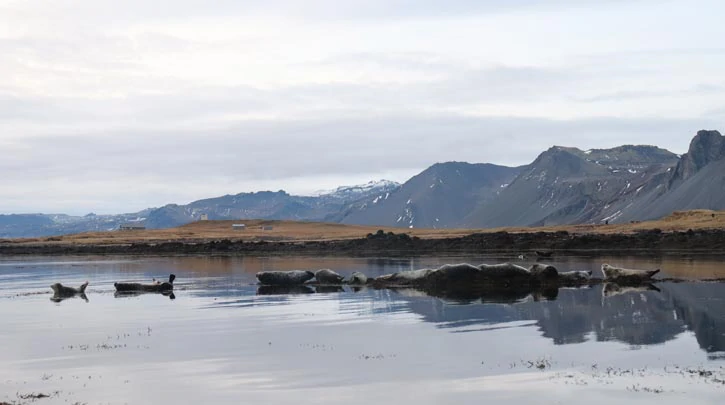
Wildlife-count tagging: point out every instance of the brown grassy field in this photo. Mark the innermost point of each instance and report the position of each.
(314, 231)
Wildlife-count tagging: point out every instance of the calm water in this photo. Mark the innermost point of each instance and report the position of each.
(221, 340)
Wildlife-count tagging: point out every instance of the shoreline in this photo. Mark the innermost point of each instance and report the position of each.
(649, 242)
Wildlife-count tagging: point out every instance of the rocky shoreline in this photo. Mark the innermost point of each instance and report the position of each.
(646, 242)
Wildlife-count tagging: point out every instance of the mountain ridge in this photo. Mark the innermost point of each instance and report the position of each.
(563, 185)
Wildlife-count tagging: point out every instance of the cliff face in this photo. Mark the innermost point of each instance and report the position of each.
(705, 148)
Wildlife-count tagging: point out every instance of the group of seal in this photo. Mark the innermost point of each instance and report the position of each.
(61, 292)
(462, 275)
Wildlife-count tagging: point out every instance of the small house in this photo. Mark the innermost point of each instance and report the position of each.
(239, 227)
(266, 227)
(132, 227)
(204, 217)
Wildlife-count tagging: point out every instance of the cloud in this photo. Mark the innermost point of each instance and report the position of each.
(114, 107)
(129, 167)
(701, 89)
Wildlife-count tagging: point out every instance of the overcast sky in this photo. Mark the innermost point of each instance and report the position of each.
(113, 106)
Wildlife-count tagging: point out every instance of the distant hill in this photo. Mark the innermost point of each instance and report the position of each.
(570, 186)
(439, 197)
(562, 186)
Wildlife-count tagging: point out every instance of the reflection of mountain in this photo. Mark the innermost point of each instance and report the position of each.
(700, 307)
(637, 318)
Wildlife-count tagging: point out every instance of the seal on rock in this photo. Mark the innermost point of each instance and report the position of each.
(544, 271)
(405, 277)
(627, 276)
(357, 278)
(575, 277)
(294, 277)
(327, 276)
(155, 286)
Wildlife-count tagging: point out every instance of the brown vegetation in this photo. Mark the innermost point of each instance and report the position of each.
(203, 231)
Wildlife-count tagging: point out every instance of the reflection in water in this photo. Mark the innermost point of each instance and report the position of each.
(230, 338)
(131, 294)
(283, 289)
(61, 297)
(612, 289)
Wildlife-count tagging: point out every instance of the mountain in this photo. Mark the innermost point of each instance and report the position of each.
(567, 186)
(696, 182)
(563, 185)
(34, 225)
(267, 205)
(439, 197)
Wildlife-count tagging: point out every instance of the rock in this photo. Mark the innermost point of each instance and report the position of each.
(294, 277)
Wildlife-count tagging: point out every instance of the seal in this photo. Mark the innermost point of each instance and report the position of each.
(62, 292)
(405, 277)
(357, 278)
(544, 271)
(575, 277)
(59, 290)
(627, 276)
(155, 286)
(503, 271)
(327, 276)
(294, 277)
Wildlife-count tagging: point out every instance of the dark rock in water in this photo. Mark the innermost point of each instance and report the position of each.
(624, 276)
(544, 272)
(544, 254)
(327, 276)
(156, 286)
(357, 278)
(283, 289)
(294, 277)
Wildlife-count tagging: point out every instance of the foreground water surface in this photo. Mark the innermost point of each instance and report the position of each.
(223, 340)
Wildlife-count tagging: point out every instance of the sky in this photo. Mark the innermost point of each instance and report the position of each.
(114, 106)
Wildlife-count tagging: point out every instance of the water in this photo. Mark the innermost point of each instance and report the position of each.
(223, 341)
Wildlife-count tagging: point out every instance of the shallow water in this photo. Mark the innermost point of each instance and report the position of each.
(221, 340)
